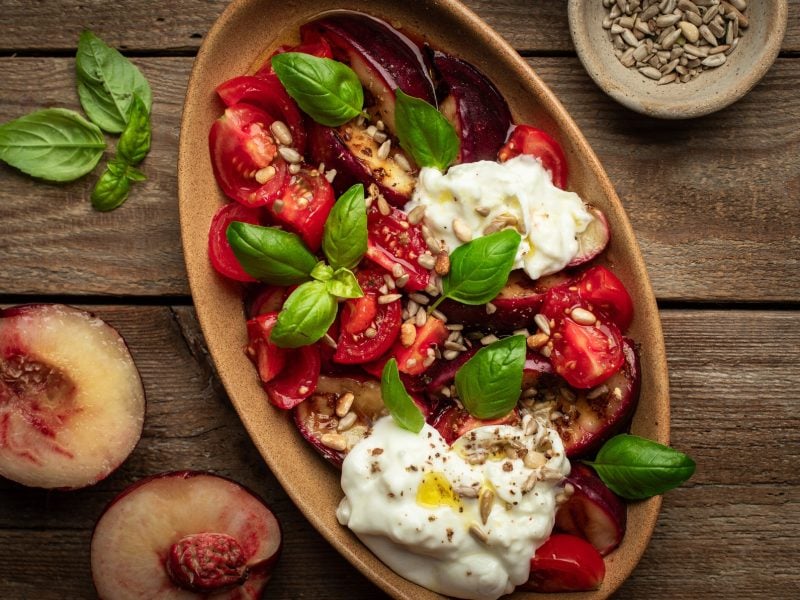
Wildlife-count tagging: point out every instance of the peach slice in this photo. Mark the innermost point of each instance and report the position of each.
(71, 400)
(184, 535)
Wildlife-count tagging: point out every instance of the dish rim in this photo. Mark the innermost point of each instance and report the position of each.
(256, 418)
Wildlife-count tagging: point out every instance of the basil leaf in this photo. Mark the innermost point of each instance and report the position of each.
(480, 268)
(402, 408)
(489, 383)
(344, 284)
(344, 241)
(134, 143)
(329, 91)
(270, 254)
(54, 144)
(321, 272)
(636, 468)
(424, 132)
(306, 315)
(111, 190)
(107, 82)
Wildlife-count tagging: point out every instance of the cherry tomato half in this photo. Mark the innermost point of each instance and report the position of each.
(356, 345)
(298, 380)
(241, 145)
(453, 422)
(565, 563)
(304, 206)
(535, 142)
(602, 290)
(268, 358)
(392, 241)
(269, 95)
(411, 360)
(219, 250)
(586, 355)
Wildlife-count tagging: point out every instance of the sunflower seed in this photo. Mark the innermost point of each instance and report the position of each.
(334, 441)
(714, 61)
(489, 339)
(402, 161)
(281, 132)
(582, 316)
(711, 13)
(543, 323)
(667, 20)
(670, 39)
(265, 174)
(344, 404)
(462, 230)
(383, 206)
(347, 422)
(330, 175)
(426, 261)
(402, 280)
(421, 318)
(417, 214)
(439, 315)
(389, 298)
(486, 503)
(478, 533)
(490, 308)
(380, 137)
(718, 50)
(450, 354)
(384, 149)
(290, 155)
(538, 340)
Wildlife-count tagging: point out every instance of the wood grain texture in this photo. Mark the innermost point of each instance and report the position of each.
(529, 25)
(712, 200)
(732, 532)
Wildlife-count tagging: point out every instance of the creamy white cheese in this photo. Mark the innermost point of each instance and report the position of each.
(412, 499)
(519, 192)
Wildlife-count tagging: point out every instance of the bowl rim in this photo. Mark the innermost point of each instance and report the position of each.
(198, 273)
(682, 109)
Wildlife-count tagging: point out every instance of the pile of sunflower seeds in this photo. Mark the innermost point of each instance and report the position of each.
(673, 41)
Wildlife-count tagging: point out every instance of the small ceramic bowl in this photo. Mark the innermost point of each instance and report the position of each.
(712, 90)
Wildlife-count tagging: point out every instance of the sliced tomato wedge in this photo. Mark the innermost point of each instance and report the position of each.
(602, 290)
(586, 355)
(241, 145)
(268, 94)
(304, 206)
(452, 422)
(392, 241)
(266, 299)
(219, 250)
(268, 358)
(298, 380)
(430, 336)
(535, 142)
(565, 563)
(356, 345)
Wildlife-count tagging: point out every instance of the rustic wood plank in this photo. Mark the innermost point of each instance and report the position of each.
(732, 532)
(539, 26)
(713, 200)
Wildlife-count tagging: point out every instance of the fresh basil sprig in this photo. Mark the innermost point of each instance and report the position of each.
(400, 405)
(489, 383)
(344, 284)
(114, 184)
(637, 468)
(479, 269)
(307, 314)
(107, 83)
(329, 91)
(270, 254)
(54, 144)
(424, 132)
(344, 240)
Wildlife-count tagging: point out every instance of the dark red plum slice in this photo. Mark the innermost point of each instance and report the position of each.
(593, 511)
(474, 106)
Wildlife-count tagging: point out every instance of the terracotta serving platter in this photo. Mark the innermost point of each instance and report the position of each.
(246, 32)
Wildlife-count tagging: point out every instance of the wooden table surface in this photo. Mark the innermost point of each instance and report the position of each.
(715, 203)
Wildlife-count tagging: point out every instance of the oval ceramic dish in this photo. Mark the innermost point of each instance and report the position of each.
(242, 35)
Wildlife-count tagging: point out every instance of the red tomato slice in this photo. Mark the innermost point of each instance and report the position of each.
(602, 290)
(586, 355)
(241, 144)
(268, 358)
(394, 241)
(453, 422)
(360, 314)
(219, 250)
(565, 563)
(267, 299)
(304, 206)
(411, 360)
(298, 380)
(269, 95)
(535, 142)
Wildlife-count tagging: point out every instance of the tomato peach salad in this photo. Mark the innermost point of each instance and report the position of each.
(284, 169)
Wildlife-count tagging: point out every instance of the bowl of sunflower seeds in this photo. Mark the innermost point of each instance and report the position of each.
(677, 59)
